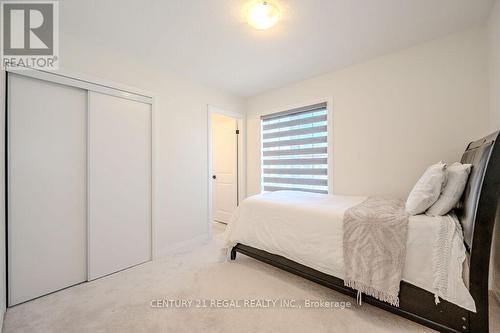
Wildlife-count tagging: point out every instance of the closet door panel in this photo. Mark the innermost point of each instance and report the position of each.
(46, 187)
(119, 184)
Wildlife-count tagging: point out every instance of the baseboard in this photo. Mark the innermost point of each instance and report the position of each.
(496, 296)
(182, 246)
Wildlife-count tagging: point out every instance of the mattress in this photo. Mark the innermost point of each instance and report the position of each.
(307, 228)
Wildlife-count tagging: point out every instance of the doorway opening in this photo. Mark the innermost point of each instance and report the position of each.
(225, 162)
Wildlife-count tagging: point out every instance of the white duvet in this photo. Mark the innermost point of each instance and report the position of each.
(307, 228)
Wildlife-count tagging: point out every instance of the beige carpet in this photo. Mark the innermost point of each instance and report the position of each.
(122, 302)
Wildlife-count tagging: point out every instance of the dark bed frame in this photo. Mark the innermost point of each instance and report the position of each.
(477, 212)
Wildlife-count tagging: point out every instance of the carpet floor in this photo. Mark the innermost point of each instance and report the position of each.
(226, 297)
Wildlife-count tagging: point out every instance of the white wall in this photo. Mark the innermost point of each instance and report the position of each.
(181, 202)
(494, 63)
(392, 116)
(494, 69)
(2, 200)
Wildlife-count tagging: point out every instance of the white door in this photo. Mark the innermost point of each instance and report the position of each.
(224, 167)
(119, 184)
(46, 187)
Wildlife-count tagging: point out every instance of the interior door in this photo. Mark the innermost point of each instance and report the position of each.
(119, 184)
(224, 166)
(46, 187)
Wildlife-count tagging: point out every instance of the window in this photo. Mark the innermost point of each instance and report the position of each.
(295, 150)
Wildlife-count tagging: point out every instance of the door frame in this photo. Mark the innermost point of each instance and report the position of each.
(240, 118)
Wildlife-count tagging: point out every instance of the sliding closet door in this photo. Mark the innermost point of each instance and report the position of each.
(119, 184)
(46, 187)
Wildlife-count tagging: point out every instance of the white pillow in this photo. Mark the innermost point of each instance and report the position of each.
(427, 189)
(457, 175)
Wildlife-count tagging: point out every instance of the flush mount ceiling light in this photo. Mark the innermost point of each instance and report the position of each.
(263, 15)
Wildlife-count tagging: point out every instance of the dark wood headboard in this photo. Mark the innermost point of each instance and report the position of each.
(481, 155)
(477, 212)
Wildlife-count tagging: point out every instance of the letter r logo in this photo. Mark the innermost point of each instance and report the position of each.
(28, 28)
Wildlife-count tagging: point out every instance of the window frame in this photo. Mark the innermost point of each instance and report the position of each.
(330, 131)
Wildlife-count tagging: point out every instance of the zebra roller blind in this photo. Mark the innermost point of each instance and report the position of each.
(295, 150)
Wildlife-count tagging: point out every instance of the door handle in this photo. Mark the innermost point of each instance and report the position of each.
(214, 177)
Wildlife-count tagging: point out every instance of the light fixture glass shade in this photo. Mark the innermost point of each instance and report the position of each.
(263, 15)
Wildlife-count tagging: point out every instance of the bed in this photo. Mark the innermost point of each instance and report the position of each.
(302, 233)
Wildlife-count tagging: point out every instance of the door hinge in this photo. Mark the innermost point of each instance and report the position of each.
(237, 131)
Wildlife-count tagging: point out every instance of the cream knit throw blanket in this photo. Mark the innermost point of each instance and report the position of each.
(375, 234)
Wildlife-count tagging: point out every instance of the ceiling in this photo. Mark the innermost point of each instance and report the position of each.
(208, 41)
